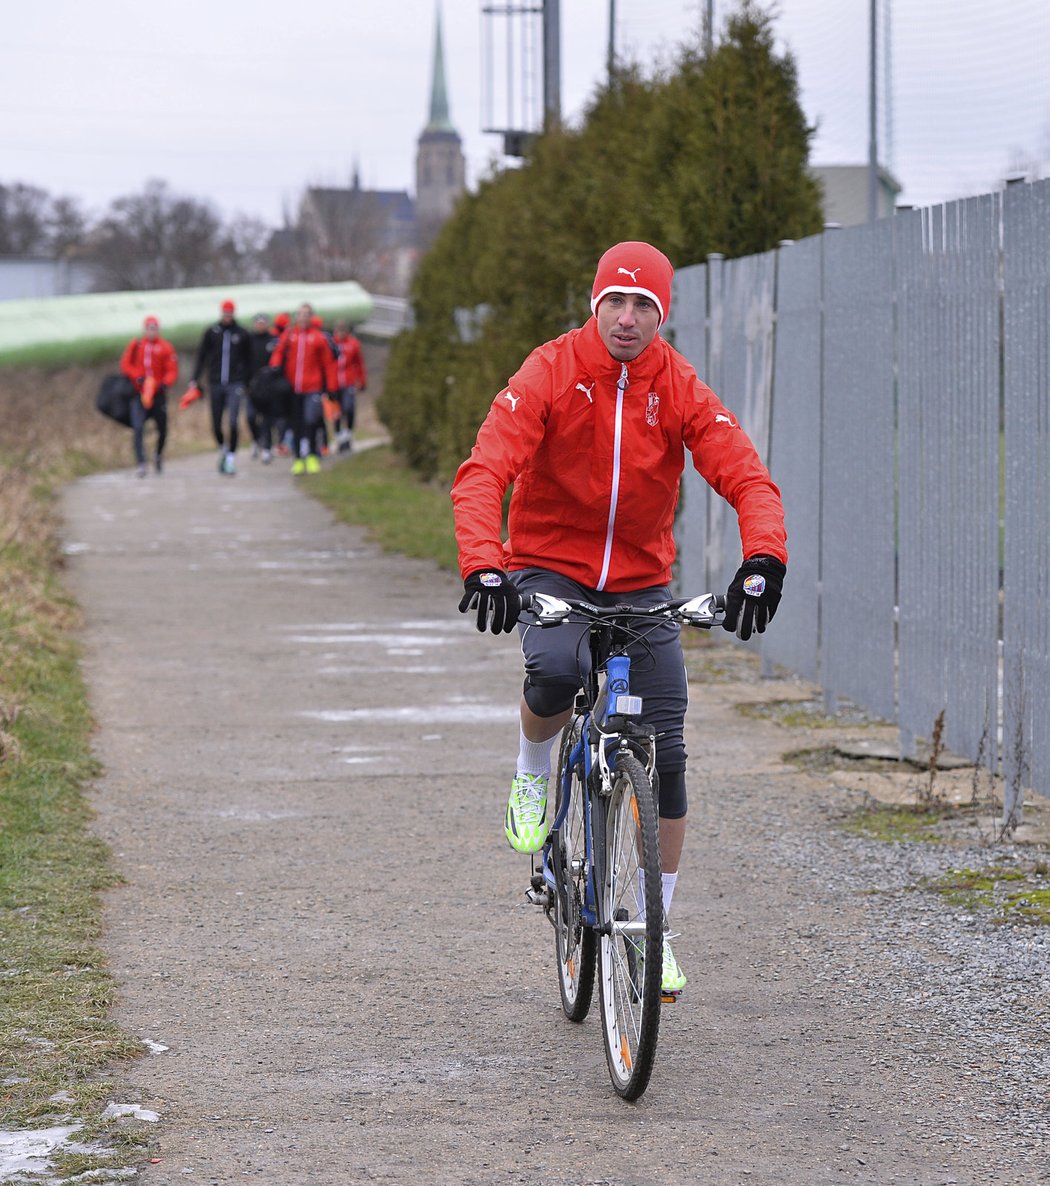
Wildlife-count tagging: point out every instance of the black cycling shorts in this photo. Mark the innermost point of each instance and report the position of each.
(557, 660)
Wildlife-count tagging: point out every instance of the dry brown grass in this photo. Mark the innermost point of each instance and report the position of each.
(50, 431)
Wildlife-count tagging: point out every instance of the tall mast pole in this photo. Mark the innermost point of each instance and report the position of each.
(873, 145)
(551, 63)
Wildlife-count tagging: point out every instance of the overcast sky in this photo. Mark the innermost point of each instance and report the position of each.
(245, 104)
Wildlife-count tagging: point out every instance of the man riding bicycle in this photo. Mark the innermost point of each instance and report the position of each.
(592, 432)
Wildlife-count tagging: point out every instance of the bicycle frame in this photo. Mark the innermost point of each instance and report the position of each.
(598, 725)
(597, 747)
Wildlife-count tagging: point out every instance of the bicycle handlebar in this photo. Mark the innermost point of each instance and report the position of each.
(704, 611)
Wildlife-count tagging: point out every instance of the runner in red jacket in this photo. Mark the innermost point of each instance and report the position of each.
(351, 377)
(306, 359)
(593, 432)
(150, 362)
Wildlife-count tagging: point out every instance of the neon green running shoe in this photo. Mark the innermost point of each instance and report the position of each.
(298, 466)
(673, 979)
(313, 464)
(526, 827)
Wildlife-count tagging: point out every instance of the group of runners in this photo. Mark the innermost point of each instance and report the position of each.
(296, 382)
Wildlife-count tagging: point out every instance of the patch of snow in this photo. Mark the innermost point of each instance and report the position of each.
(114, 1111)
(31, 1150)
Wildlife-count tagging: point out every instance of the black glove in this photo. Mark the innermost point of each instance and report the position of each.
(753, 595)
(492, 591)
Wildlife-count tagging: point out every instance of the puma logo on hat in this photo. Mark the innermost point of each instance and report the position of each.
(649, 271)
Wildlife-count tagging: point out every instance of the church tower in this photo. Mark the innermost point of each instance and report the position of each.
(440, 165)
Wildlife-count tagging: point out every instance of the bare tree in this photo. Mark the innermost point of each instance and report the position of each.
(351, 235)
(158, 239)
(32, 222)
(339, 234)
(243, 249)
(24, 215)
(67, 226)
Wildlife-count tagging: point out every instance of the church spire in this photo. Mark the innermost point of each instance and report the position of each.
(439, 117)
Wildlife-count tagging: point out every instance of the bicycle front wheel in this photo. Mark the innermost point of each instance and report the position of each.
(632, 935)
(574, 943)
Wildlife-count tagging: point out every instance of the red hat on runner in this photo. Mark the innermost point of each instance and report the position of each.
(228, 306)
(151, 323)
(281, 320)
(638, 268)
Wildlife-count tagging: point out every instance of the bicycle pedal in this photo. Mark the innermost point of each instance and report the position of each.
(669, 998)
(539, 897)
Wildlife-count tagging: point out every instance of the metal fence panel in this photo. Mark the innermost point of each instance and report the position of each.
(948, 391)
(857, 507)
(714, 542)
(745, 388)
(794, 452)
(1026, 583)
(688, 330)
(687, 323)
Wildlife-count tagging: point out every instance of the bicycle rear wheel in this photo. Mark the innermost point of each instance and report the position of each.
(574, 943)
(631, 943)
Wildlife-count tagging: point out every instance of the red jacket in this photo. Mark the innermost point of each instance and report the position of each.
(306, 359)
(350, 366)
(596, 469)
(145, 359)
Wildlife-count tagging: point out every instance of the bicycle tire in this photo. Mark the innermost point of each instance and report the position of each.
(630, 962)
(575, 945)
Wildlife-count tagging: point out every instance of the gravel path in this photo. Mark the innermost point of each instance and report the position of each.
(306, 758)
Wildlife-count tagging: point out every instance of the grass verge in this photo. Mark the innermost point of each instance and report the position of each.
(56, 1035)
(377, 490)
(58, 1042)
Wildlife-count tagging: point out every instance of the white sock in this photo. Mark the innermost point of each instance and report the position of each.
(534, 757)
(668, 883)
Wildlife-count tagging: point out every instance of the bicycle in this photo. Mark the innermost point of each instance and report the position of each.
(599, 874)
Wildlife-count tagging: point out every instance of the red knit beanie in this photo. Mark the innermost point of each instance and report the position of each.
(638, 268)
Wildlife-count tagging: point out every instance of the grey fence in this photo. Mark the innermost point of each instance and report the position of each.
(896, 378)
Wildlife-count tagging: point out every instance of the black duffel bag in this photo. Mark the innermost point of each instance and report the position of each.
(114, 398)
(271, 392)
